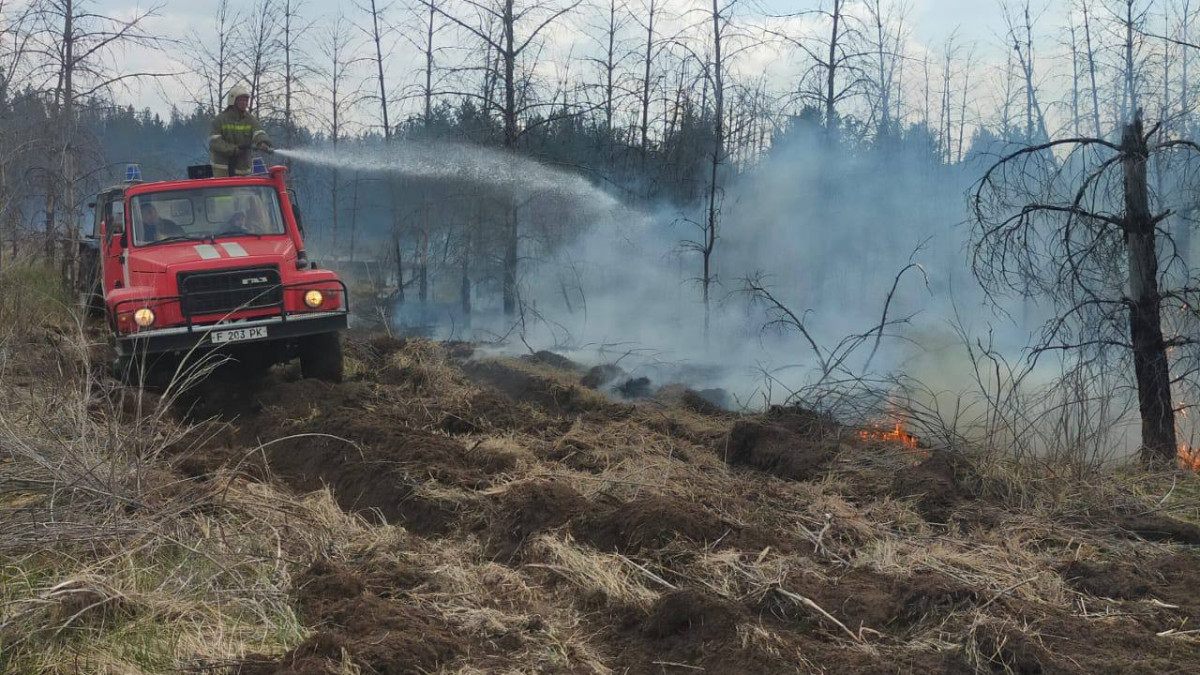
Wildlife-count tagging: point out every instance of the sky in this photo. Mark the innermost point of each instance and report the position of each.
(932, 21)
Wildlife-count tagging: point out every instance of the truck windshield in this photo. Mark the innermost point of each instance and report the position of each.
(205, 213)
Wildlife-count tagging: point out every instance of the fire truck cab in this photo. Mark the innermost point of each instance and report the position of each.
(187, 267)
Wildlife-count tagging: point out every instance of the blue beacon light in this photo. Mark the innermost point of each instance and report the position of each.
(133, 173)
(259, 167)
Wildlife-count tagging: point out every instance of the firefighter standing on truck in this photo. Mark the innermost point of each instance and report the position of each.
(234, 132)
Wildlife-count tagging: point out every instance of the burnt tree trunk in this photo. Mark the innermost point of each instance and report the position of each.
(511, 239)
(512, 232)
(464, 287)
(1151, 367)
(423, 268)
(399, 273)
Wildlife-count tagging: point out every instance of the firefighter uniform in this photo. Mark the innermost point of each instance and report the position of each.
(233, 134)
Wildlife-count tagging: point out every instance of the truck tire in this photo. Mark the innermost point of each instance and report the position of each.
(321, 357)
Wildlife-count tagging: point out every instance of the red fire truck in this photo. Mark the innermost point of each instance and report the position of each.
(187, 267)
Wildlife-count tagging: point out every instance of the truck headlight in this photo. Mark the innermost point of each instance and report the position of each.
(314, 298)
(144, 317)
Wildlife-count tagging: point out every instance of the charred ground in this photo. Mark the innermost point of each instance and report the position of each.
(666, 537)
(504, 517)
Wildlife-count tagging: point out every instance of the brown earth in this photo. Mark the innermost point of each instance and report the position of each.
(528, 523)
(648, 523)
(789, 443)
(936, 484)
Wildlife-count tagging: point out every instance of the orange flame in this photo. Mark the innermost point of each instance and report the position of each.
(1189, 457)
(895, 435)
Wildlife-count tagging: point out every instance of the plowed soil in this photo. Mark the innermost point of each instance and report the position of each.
(528, 523)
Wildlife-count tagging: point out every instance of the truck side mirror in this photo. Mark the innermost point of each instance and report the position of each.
(117, 227)
(296, 211)
(299, 220)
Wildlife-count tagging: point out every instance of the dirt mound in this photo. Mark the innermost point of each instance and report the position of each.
(347, 439)
(598, 376)
(369, 461)
(551, 395)
(693, 630)
(553, 360)
(863, 598)
(385, 345)
(786, 442)
(927, 595)
(239, 400)
(1161, 528)
(326, 583)
(648, 523)
(1005, 649)
(528, 509)
(377, 635)
(936, 484)
(686, 631)
(709, 402)
(699, 616)
(488, 410)
(374, 351)
(636, 388)
(382, 468)
(1174, 579)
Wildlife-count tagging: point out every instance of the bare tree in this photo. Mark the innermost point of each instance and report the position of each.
(294, 35)
(720, 23)
(835, 74)
(519, 29)
(651, 10)
(1073, 30)
(1185, 82)
(1081, 231)
(1131, 19)
(382, 39)
(260, 52)
(946, 123)
(422, 30)
(608, 37)
(1019, 24)
(15, 38)
(885, 42)
(1097, 129)
(212, 57)
(76, 46)
(340, 54)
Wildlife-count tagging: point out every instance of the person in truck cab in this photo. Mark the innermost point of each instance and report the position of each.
(155, 228)
(254, 219)
(234, 132)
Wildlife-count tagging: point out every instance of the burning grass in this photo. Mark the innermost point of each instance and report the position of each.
(896, 434)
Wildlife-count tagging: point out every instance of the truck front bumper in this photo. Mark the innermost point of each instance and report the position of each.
(188, 338)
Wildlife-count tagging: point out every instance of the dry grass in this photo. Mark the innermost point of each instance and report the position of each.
(115, 564)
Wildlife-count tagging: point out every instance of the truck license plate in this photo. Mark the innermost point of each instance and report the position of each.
(238, 335)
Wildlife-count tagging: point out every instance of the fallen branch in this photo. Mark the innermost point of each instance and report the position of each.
(653, 577)
(796, 597)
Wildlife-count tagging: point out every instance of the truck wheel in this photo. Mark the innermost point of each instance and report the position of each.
(321, 357)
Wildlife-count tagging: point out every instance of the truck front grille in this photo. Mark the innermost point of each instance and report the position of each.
(226, 291)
